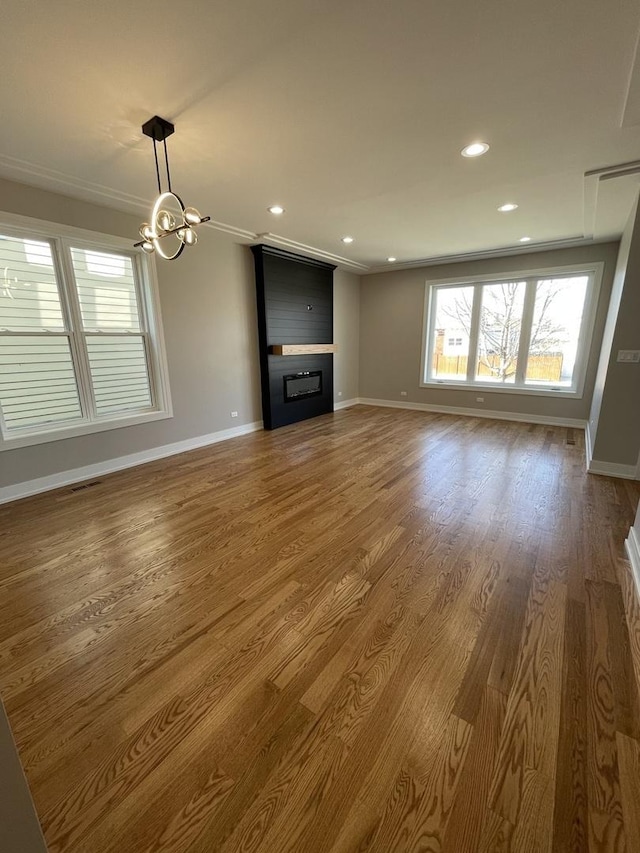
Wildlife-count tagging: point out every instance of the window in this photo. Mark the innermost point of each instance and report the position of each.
(80, 344)
(528, 333)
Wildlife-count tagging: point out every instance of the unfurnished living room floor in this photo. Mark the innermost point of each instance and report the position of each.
(373, 631)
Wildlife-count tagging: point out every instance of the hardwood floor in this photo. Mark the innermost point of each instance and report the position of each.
(374, 631)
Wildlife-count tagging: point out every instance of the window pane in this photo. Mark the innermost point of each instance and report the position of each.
(29, 298)
(450, 352)
(37, 381)
(499, 332)
(106, 290)
(557, 318)
(119, 372)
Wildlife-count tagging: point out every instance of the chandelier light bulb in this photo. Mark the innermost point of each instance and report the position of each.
(190, 237)
(146, 231)
(148, 247)
(165, 220)
(192, 216)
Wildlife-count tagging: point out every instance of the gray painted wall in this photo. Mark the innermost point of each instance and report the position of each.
(614, 421)
(209, 318)
(20, 830)
(610, 324)
(346, 334)
(391, 317)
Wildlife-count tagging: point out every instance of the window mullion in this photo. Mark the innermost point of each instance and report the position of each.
(145, 325)
(141, 298)
(474, 332)
(151, 373)
(431, 325)
(525, 331)
(77, 337)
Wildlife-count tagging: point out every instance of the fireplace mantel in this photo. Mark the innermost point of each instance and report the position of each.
(301, 349)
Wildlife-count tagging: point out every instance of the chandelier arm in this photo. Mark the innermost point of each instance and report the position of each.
(173, 231)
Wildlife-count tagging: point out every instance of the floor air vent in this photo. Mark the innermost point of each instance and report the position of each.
(84, 486)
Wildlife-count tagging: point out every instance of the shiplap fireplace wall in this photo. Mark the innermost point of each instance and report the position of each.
(295, 327)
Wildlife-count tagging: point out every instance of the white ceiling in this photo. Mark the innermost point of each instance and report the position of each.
(350, 114)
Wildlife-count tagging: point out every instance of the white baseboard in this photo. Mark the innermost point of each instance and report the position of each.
(632, 545)
(345, 404)
(612, 469)
(475, 413)
(588, 445)
(109, 466)
(607, 469)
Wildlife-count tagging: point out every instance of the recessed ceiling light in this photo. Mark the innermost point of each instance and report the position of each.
(392, 260)
(525, 239)
(476, 149)
(347, 239)
(508, 207)
(276, 209)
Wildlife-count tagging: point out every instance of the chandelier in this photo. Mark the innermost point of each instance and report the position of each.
(172, 225)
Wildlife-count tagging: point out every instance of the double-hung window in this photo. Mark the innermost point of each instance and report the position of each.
(528, 333)
(80, 339)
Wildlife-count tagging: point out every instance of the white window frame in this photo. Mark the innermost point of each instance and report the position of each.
(63, 238)
(593, 270)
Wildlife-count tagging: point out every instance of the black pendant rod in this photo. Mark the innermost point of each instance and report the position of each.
(166, 160)
(155, 154)
(159, 129)
(166, 163)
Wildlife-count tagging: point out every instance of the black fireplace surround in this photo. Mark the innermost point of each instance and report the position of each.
(295, 306)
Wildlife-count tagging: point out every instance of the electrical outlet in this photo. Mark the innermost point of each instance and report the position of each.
(629, 356)
(339, 393)
(479, 399)
(403, 393)
(234, 414)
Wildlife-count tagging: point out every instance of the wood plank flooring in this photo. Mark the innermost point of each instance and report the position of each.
(377, 631)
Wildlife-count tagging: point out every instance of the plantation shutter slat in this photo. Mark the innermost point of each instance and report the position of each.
(109, 361)
(41, 390)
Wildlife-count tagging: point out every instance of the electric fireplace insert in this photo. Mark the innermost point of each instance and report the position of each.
(299, 386)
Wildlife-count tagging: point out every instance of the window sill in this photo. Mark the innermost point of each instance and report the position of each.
(18, 441)
(478, 387)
